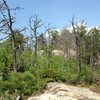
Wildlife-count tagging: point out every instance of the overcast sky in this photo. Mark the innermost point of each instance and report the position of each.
(58, 12)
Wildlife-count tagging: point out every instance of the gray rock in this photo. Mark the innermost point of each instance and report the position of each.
(61, 91)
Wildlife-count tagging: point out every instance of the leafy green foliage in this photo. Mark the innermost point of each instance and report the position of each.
(25, 83)
(25, 61)
(31, 78)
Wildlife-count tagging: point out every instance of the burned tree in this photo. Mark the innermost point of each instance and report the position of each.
(35, 23)
(79, 33)
(7, 21)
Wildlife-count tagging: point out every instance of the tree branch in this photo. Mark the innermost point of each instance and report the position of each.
(5, 37)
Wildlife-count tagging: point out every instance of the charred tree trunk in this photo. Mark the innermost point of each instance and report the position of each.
(10, 28)
(14, 54)
(35, 52)
(34, 24)
(78, 49)
(79, 34)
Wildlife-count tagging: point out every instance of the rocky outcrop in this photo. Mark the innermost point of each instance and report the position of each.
(57, 52)
(71, 53)
(61, 91)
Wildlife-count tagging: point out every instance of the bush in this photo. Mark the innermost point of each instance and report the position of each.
(19, 81)
(1, 85)
(34, 79)
(40, 85)
(25, 83)
(87, 75)
(50, 73)
(25, 61)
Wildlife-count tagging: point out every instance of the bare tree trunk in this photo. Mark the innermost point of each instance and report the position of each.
(35, 53)
(10, 24)
(34, 26)
(78, 58)
(14, 55)
(79, 46)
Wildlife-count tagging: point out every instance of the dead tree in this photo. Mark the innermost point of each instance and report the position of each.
(7, 27)
(79, 32)
(35, 24)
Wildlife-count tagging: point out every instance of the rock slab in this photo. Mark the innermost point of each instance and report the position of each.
(61, 91)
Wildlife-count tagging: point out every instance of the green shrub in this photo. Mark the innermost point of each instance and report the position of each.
(87, 75)
(25, 61)
(40, 85)
(11, 86)
(1, 85)
(49, 73)
(34, 79)
(19, 81)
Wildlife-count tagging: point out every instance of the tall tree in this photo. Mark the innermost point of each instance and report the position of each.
(79, 32)
(8, 20)
(35, 24)
(93, 46)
